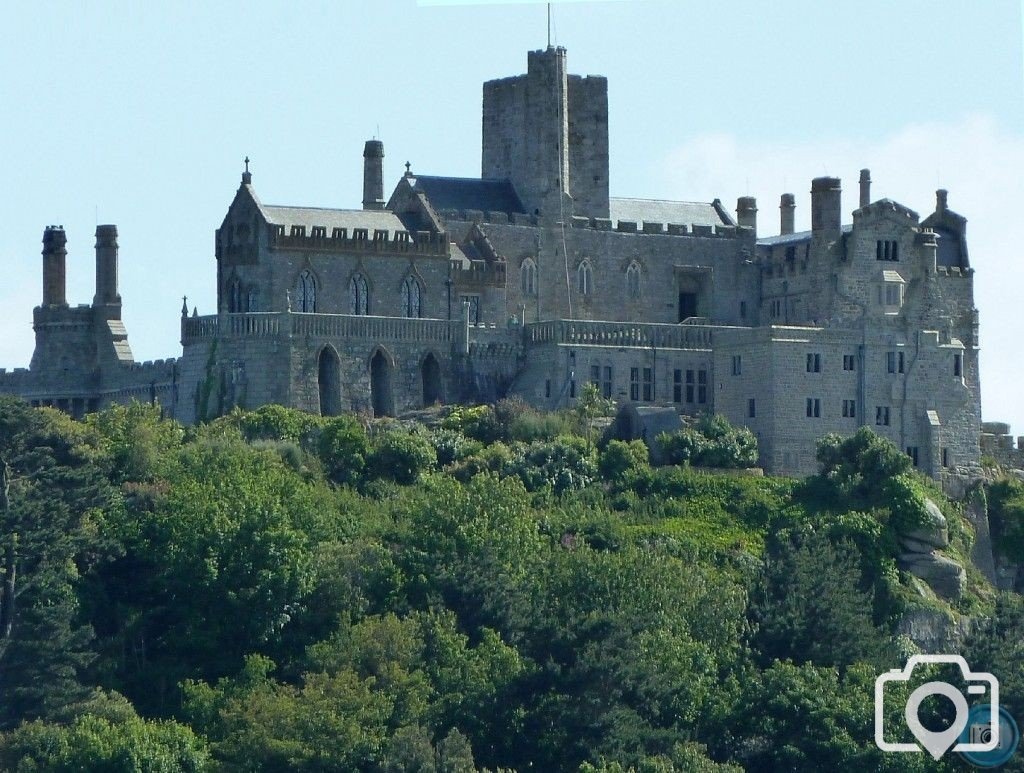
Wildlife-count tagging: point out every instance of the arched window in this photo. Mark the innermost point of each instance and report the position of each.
(251, 302)
(411, 297)
(585, 277)
(305, 293)
(234, 296)
(633, 280)
(528, 277)
(360, 295)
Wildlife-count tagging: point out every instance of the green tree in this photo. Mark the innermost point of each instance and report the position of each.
(808, 607)
(402, 456)
(344, 449)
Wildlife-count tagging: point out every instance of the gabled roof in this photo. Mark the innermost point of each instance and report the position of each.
(369, 219)
(662, 211)
(463, 193)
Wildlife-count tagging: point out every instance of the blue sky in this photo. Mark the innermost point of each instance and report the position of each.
(140, 114)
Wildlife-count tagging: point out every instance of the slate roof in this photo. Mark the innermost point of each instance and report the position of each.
(794, 238)
(369, 219)
(468, 193)
(661, 211)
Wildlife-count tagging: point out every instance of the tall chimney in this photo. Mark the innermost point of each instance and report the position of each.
(787, 213)
(865, 187)
(941, 200)
(826, 207)
(373, 175)
(746, 212)
(106, 266)
(54, 272)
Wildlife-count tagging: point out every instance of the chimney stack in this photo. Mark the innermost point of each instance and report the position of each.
(941, 196)
(826, 207)
(746, 212)
(865, 187)
(54, 272)
(106, 267)
(787, 213)
(373, 175)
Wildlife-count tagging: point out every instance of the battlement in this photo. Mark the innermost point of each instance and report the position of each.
(601, 224)
(955, 271)
(317, 239)
(478, 274)
(157, 367)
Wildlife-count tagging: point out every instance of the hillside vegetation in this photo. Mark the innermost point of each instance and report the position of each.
(275, 591)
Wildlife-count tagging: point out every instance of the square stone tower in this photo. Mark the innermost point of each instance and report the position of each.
(547, 132)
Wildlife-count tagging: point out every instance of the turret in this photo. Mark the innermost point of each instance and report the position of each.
(54, 272)
(787, 213)
(106, 267)
(373, 175)
(826, 207)
(746, 212)
(865, 187)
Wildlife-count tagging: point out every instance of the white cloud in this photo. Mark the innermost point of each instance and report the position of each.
(979, 161)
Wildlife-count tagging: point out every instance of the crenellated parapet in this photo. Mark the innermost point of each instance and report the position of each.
(379, 241)
(478, 274)
(650, 228)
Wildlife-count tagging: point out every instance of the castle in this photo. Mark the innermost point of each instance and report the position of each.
(533, 280)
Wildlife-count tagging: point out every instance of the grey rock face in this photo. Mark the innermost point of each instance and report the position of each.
(935, 532)
(944, 575)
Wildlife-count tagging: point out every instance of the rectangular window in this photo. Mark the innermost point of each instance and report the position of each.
(702, 387)
(814, 363)
(958, 365)
(945, 457)
(690, 386)
(606, 389)
(677, 386)
(894, 362)
(634, 384)
(743, 309)
(893, 294)
(737, 365)
(813, 407)
(849, 409)
(882, 415)
(751, 408)
(474, 307)
(887, 249)
(648, 385)
(595, 375)
(849, 362)
(547, 388)
(572, 388)
(912, 453)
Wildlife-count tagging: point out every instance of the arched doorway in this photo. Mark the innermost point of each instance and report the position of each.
(380, 385)
(431, 373)
(329, 382)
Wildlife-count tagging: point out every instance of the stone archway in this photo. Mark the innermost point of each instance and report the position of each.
(380, 385)
(329, 381)
(430, 372)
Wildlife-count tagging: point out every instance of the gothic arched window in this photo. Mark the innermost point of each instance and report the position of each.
(585, 277)
(528, 277)
(251, 302)
(305, 293)
(411, 297)
(360, 295)
(235, 296)
(633, 280)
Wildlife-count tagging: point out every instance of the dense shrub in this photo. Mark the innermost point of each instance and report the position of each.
(402, 456)
(621, 462)
(344, 449)
(565, 464)
(451, 445)
(713, 442)
(1006, 509)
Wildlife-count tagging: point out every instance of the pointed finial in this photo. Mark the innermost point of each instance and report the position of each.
(195, 311)
(184, 305)
(408, 169)
(246, 175)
